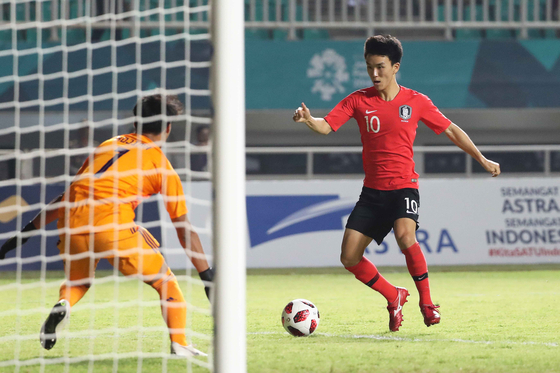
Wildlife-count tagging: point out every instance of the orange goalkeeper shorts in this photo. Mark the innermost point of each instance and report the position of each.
(134, 251)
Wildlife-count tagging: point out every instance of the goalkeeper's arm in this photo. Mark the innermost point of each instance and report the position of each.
(194, 251)
(46, 216)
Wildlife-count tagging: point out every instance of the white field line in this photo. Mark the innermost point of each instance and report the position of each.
(404, 339)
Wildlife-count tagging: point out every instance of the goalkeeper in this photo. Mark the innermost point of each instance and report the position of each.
(96, 220)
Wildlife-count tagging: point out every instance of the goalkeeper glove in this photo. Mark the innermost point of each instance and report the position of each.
(207, 276)
(12, 243)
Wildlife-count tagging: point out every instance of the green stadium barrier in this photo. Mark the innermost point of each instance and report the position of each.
(279, 34)
(257, 34)
(315, 34)
(6, 37)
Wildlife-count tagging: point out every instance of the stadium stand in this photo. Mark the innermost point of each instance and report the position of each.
(315, 19)
(525, 23)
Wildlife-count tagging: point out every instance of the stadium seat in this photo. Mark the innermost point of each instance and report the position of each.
(279, 34)
(75, 36)
(499, 34)
(462, 34)
(31, 35)
(466, 34)
(198, 16)
(6, 37)
(125, 33)
(315, 34)
(259, 10)
(540, 16)
(441, 13)
(257, 34)
(46, 11)
(503, 16)
(73, 8)
(549, 34)
(20, 12)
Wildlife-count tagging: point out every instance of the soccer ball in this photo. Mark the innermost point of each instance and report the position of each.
(300, 318)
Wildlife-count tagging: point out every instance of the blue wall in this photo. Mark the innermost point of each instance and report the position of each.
(102, 83)
(459, 74)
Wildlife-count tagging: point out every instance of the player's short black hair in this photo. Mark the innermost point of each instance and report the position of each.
(384, 45)
(151, 106)
(201, 128)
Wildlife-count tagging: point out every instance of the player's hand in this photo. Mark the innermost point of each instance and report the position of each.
(8, 246)
(302, 114)
(492, 167)
(12, 243)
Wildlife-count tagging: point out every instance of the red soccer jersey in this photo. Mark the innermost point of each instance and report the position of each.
(388, 129)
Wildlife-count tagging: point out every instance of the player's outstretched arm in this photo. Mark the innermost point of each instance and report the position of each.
(463, 141)
(50, 214)
(319, 125)
(194, 251)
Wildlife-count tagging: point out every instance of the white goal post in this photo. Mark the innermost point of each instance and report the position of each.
(230, 232)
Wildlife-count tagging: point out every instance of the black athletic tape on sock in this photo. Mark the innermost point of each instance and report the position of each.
(421, 277)
(373, 280)
(207, 275)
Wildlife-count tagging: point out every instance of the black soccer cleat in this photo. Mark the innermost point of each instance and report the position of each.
(59, 313)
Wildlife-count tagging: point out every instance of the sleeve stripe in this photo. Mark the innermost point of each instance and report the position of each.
(149, 240)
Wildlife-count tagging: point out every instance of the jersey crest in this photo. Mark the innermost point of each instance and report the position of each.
(405, 112)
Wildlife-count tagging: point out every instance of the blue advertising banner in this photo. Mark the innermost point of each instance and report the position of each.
(300, 223)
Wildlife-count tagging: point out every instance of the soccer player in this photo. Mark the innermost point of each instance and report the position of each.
(96, 219)
(388, 115)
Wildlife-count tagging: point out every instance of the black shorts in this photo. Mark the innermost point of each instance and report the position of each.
(376, 211)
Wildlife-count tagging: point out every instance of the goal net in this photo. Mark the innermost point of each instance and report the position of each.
(70, 73)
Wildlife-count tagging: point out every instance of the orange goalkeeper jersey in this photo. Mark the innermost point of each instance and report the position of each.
(114, 179)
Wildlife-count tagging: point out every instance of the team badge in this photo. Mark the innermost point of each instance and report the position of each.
(405, 112)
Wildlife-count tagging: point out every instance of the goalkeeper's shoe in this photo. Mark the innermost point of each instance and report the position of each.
(431, 314)
(56, 320)
(395, 309)
(185, 351)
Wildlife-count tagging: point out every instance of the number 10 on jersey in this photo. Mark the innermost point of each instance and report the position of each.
(370, 127)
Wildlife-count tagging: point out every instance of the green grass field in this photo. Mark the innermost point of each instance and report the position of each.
(494, 319)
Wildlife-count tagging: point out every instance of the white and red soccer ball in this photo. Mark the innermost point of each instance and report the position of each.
(300, 318)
